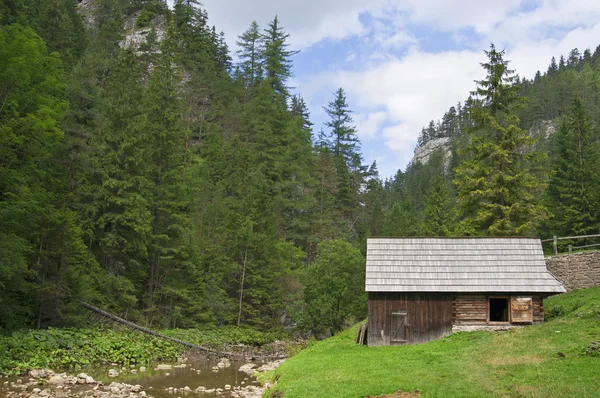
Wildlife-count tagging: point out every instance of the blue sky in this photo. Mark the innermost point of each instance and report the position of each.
(403, 63)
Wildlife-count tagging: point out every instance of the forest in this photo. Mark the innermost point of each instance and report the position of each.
(153, 177)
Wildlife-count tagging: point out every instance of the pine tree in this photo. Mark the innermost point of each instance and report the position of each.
(402, 220)
(168, 201)
(496, 181)
(277, 58)
(343, 140)
(553, 68)
(344, 146)
(250, 55)
(438, 215)
(574, 189)
(123, 218)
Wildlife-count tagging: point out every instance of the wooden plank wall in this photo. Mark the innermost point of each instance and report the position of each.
(469, 309)
(472, 309)
(429, 316)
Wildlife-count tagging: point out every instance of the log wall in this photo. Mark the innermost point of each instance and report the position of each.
(472, 309)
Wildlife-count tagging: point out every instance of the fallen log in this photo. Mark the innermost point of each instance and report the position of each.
(206, 350)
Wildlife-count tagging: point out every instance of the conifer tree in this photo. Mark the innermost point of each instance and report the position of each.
(168, 201)
(496, 181)
(123, 217)
(342, 138)
(250, 55)
(574, 189)
(277, 58)
(438, 214)
(345, 148)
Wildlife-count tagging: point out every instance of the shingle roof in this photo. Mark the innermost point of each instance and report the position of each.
(458, 265)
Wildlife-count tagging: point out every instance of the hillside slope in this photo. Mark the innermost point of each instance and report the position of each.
(547, 360)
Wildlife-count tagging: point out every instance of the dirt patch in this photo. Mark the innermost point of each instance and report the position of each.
(398, 394)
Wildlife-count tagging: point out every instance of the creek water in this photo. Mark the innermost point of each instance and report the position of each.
(197, 372)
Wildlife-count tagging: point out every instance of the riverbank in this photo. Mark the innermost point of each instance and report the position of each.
(45, 383)
(560, 358)
(78, 348)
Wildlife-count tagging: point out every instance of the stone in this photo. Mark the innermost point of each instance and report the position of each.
(142, 368)
(112, 373)
(227, 387)
(136, 388)
(248, 368)
(186, 388)
(163, 366)
(40, 373)
(56, 379)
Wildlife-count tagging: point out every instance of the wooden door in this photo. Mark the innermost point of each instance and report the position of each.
(398, 327)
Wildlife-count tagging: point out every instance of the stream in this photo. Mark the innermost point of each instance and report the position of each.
(164, 380)
(197, 372)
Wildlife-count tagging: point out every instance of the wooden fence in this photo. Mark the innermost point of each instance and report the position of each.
(555, 240)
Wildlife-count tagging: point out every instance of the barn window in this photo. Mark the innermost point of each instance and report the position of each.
(498, 309)
(398, 326)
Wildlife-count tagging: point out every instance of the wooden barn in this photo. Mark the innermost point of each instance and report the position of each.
(419, 288)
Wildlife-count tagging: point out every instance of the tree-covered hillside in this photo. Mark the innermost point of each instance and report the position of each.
(141, 170)
(560, 112)
(145, 172)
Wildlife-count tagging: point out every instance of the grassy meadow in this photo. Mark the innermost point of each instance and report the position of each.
(547, 360)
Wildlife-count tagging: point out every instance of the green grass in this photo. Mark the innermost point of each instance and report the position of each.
(519, 363)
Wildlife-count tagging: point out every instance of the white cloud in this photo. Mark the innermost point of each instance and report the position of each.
(395, 86)
(308, 22)
(446, 15)
(406, 93)
(369, 123)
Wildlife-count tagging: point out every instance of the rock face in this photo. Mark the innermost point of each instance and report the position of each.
(576, 270)
(423, 153)
(543, 129)
(134, 35)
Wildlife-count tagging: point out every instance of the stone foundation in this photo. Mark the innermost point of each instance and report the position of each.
(489, 328)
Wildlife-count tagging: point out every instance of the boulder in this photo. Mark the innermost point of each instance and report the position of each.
(40, 373)
(56, 380)
(247, 368)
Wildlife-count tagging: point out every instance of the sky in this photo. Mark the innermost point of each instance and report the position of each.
(403, 63)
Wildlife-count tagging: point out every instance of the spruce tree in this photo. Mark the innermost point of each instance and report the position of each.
(345, 148)
(438, 215)
(496, 181)
(277, 58)
(250, 55)
(574, 189)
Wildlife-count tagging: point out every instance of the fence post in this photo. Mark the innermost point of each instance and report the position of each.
(570, 248)
(555, 245)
